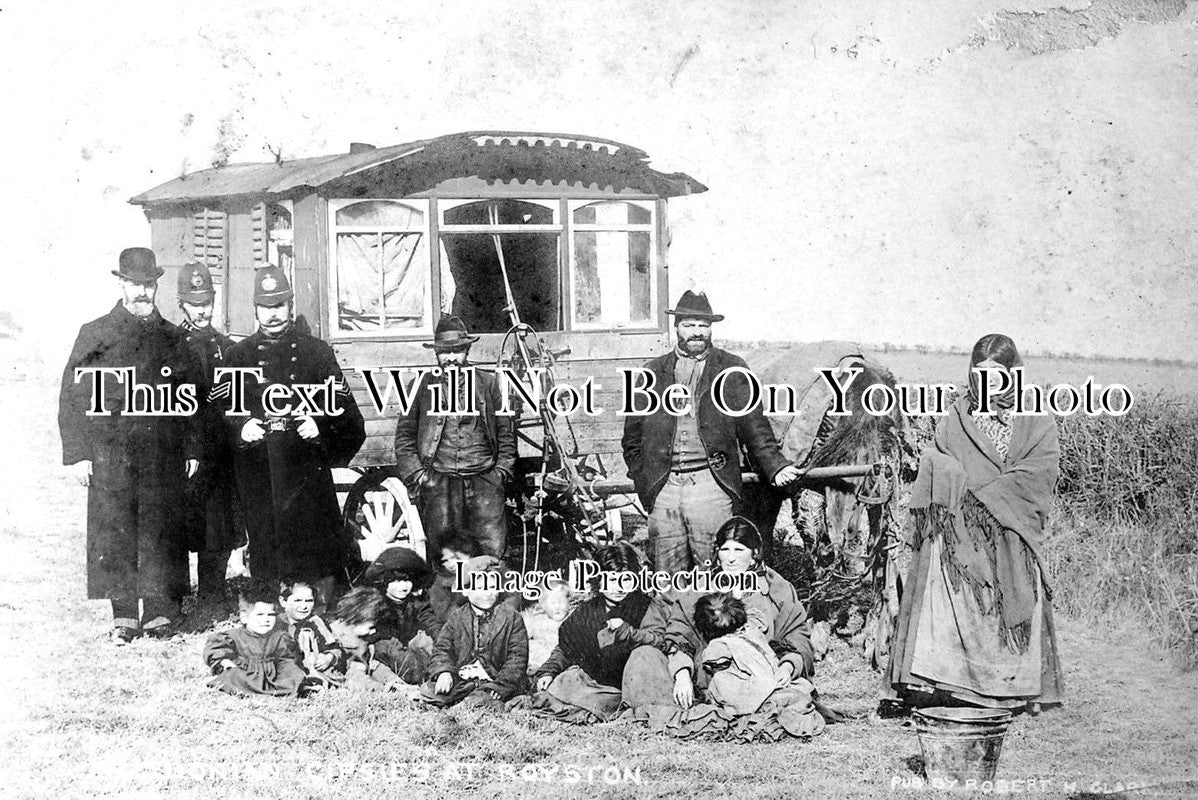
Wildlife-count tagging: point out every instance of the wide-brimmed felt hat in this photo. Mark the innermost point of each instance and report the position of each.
(195, 284)
(451, 334)
(271, 287)
(138, 264)
(696, 305)
(399, 560)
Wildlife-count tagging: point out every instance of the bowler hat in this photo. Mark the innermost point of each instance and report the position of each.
(694, 305)
(195, 284)
(451, 334)
(270, 286)
(139, 265)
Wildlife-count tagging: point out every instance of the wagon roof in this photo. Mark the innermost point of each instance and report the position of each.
(497, 152)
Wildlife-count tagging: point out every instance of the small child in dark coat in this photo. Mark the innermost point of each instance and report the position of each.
(405, 633)
(322, 655)
(258, 657)
(482, 652)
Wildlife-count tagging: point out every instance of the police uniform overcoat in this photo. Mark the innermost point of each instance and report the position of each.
(209, 517)
(135, 547)
(284, 482)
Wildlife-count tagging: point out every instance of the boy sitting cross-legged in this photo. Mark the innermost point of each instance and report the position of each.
(481, 654)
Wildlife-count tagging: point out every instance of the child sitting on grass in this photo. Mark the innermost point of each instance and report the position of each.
(322, 655)
(258, 657)
(585, 672)
(482, 652)
(543, 620)
(744, 676)
(407, 629)
(455, 547)
(354, 622)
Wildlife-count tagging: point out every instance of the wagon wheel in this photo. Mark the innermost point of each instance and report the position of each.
(379, 514)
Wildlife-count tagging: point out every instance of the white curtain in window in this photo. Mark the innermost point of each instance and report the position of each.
(380, 280)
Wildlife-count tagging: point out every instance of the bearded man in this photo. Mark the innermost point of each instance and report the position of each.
(687, 468)
(134, 462)
(456, 465)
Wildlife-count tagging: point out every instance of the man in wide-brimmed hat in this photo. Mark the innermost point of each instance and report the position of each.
(457, 465)
(687, 468)
(211, 525)
(281, 464)
(135, 466)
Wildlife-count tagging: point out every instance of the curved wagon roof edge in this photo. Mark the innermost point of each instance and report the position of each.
(282, 178)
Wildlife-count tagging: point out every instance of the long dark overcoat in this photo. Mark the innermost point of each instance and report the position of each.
(284, 482)
(210, 515)
(135, 546)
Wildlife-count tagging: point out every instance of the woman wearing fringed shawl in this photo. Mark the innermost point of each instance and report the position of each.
(975, 621)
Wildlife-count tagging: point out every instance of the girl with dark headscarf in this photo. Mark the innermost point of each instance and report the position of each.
(975, 623)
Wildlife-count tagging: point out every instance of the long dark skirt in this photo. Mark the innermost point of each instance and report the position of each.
(944, 642)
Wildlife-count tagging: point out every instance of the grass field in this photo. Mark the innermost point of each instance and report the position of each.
(86, 719)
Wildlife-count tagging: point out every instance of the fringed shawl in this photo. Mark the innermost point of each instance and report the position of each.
(971, 497)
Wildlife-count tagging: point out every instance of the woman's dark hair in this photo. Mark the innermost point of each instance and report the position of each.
(718, 615)
(362, 605)
(288, 585)
(256, 592)
(997, 348)
(741, 531)
(618, 557)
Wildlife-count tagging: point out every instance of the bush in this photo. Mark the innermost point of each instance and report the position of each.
(1123, 539)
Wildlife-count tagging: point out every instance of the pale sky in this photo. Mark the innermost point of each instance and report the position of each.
(871, 177)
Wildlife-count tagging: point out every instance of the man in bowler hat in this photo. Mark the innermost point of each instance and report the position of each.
(135, 466)
(281, 464)
(210, 522)
(686, 468)
(456, 465)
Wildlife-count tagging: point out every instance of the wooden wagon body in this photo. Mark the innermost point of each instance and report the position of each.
(379, 242)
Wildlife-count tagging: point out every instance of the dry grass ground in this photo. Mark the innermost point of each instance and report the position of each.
(86, 719)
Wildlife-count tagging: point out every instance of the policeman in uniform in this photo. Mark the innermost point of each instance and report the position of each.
(209, 520)
(282, 462)
(134, 462)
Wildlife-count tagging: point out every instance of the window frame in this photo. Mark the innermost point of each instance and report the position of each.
(422, 332)
(557, 227)
(653, 323)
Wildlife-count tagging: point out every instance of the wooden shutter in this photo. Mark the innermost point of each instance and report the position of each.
(210, 241)
(258, 223)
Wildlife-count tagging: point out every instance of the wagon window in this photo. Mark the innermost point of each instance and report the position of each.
(473, 236)
(381, 257)
(612, 259)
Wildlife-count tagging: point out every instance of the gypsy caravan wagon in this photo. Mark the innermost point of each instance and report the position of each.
(553, 247)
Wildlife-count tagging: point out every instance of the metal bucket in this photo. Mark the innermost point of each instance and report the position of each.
(961, 744)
